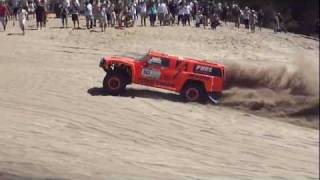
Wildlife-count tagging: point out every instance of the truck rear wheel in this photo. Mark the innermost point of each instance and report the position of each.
(114, 83)
(193, 93)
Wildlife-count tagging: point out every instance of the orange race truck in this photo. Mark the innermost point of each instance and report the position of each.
(195, 80)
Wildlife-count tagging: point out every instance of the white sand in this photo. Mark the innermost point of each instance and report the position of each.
(52, 127)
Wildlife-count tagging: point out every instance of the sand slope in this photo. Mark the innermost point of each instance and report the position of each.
(56, 122)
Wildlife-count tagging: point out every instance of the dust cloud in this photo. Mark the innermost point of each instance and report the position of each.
(275, 90)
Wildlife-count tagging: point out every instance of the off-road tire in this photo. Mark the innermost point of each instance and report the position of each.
(114, 83)
(193, 93)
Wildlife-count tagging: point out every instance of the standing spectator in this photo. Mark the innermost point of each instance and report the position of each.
(253, 20)
(194, 9)
(118, 9)
(96, 13)
(30, 9)
(133, 11)
(14, 6)
(89, 15)
(40, 15)
(138, 10)
(103, 18)
(180, 13)
(187, 14)
(56, 9)
(205, 13)
(236, 14)
(224, 13)
(111, 14)
(192, 12)
(143, 13)
(74, 10)
(260, 18)
(162, 11)
(153, 13)
(172, 10)
(280, 24)
(198, 19)
(218, 9)
(3, 15)
(64, 16)
(45, 12)
(22, 18)
(246, 16)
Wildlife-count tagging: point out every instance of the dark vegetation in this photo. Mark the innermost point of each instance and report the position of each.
(300, 16)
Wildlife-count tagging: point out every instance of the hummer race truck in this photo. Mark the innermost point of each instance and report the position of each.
(195, 80)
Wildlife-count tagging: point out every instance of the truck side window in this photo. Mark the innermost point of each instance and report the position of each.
(163, 62)
(181, 66)
(154, 61)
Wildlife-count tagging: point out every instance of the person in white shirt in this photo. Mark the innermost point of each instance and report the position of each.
(246, 16)
(22, 18)
(186, 14)
(89, 15)
(180, 14)
(162, 11)
(103, 18)
(31, 9)
(133, 11)
(253, 20)
(192, 12)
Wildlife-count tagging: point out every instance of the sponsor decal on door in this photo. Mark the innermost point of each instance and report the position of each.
(150, 73)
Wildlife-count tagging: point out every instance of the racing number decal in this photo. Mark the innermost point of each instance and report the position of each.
(150, 73)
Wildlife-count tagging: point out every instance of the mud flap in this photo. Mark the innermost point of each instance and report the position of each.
(214, 97)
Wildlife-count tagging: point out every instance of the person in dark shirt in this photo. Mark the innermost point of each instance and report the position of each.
(236, 14)
(260, 18)
(224, 13)
(172, 10)
(40, 15)
(64, 16)
(205, 13)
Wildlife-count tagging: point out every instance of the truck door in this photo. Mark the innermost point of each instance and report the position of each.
(157, 72)
(167, 71)
(150, 72)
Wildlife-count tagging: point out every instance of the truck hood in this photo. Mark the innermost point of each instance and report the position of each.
(120, 59)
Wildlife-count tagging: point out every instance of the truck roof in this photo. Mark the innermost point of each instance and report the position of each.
(204, 62)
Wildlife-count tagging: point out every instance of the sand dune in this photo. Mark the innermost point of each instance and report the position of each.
(56, 122)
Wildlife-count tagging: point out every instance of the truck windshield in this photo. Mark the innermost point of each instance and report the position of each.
(141, 58)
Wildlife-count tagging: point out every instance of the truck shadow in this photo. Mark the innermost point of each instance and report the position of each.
(141, 93)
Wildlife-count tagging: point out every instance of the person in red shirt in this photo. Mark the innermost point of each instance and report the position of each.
(3, 14)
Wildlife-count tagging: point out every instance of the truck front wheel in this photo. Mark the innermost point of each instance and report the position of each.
(114, 83)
